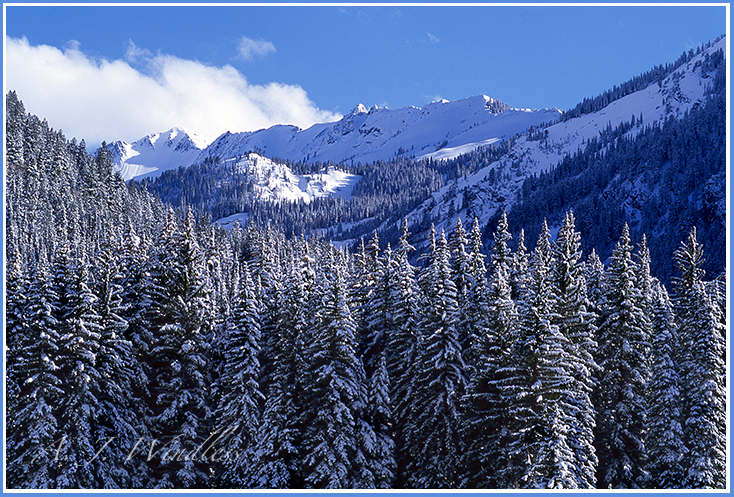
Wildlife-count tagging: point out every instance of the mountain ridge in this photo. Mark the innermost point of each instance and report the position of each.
(440, 129)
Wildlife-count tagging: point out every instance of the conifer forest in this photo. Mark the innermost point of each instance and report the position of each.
(147, 347)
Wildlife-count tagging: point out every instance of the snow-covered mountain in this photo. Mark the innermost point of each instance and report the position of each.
(497, 185)
(440, 129)
(155, 153)
(273, 181)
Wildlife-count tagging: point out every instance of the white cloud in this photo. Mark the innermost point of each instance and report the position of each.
(247, 49)
(99, 99)
(433, 38)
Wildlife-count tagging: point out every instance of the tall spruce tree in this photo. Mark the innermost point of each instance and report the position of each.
(576, 324)
(434, 436)
(665, 439)
(238, 413)
(623, 355)
(703, 369)
(179, 358)
(334, 378)
(32, 429)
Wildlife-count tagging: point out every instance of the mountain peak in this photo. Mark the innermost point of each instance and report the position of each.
(359, 109)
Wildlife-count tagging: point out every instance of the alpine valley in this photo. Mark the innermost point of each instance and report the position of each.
(464, 295)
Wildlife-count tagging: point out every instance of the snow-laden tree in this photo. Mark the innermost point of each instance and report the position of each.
(403, 350)
(517, 376)
(78, 409)
(665, 439)
(333, 386)
(380, 450)
(237, 417)
(702, 371)
(32, 430)
(623, 355)
(179, 357)
(433, 432)
(576, 324)
(484, 415)
(121, 422)
(278, 450)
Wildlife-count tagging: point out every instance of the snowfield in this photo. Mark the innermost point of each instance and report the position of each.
(676, 95)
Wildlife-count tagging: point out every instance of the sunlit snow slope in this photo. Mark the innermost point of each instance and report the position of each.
(677, 93)
(155, 153)
(443, 129)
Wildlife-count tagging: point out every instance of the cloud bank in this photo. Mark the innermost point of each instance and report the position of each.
(99, 99)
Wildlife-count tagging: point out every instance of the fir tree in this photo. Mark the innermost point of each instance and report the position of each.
(32, 429)
(434, 436)
(702, 368)
(575, 323)
(624, 357)
(334, 375)
(665, 438)
(238, 414)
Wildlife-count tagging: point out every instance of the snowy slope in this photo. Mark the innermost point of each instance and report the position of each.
(155, 153)
(379, 134)
(497, 185)
(270, 181)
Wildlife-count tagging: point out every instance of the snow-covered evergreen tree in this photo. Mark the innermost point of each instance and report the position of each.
(32, 430)
(403, 350)
(333, 385)
(381, 451)
(77, 410)
(434, 430)
(703, 376)
(483, 408)
(121, 424)
(665, 440)
(576, 324)
(623, 355)
(181, 410)
(238, 413)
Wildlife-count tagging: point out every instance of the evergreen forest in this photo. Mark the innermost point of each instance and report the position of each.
(149, 348)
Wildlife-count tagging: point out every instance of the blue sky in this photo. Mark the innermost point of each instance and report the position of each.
(122, 72)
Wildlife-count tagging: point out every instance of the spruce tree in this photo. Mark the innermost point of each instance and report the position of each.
(32, 438)
(576, 324)
(332, 391)
(78, 410)
(434, 436)
(703, 369)
(665, 438)
(623, 356)
(238, 413)
(179, 357)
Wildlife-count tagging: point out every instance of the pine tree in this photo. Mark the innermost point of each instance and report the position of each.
(381, 450)
(32, 429)
(483, 407)
(77, 411)
(702, 368)
(238, 414)
(121, 421)
(624, 357)
(403, 351)
(179, 357)
(332, 390)
(575, 323)
(518, 377)
(278, 449)
(665, 438)
(434, 437)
